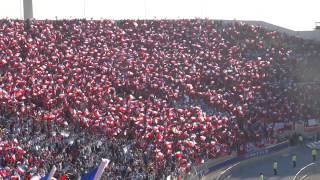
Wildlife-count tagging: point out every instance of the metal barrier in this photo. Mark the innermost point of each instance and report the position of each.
(202, 170)
(193, 175)
(226, 172)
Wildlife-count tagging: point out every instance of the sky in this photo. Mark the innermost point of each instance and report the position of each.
(291, 14)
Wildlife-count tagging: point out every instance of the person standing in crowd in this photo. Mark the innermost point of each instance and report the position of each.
(294, 160)
(300, 139)
(275, 168)
(314, 154)
(261, 177)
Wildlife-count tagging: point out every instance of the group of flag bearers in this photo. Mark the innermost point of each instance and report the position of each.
(293, 158)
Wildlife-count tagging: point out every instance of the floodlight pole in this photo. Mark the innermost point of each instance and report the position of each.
(145, 9)
(27, 9)
(84, 9)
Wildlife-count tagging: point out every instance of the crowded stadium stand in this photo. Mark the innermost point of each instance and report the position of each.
(155, 97)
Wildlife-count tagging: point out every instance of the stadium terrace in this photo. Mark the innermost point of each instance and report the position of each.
(155, 97)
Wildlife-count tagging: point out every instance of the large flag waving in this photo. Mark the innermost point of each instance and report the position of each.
(50, 175)
(96, 173)
(47, 177)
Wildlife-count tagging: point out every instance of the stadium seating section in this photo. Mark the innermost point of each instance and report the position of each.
(155, 97)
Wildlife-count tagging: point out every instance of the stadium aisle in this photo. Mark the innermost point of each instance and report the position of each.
(285, 171)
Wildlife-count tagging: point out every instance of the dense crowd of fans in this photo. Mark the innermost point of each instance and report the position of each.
(154, 97)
